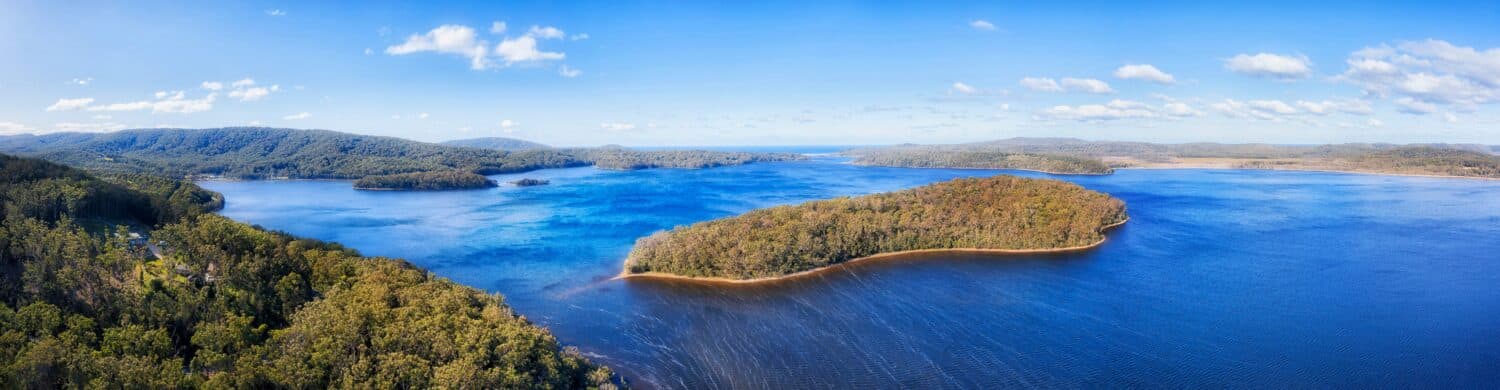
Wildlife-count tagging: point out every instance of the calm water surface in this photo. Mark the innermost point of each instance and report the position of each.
(1221, 278)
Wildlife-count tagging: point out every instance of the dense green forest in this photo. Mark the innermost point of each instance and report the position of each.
(922, 157)
(1432, 159)
(497, 143)
(260, 153)
(432, 180)
(1001, 212)
(86, 305)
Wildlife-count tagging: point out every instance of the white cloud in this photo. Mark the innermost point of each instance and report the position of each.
(1086, 85)
(369, 51)
(82, 81)
(523, 49)
(1415, 106)
(464, 41)
(14, 128)
(1271, 110)
(547, 32)
(1114, 110)
(300, 115)
(1179, 109)
(88, 127)
(568, 72)
(243, 83)
(1430, 72)
(422, 116)
(1375, 123)
(508, 125)
(962, 89)
(981, 24)
(1041, 84)
(1450, 118)
(1145, 72)
(102, 117)
(212, 85)
(254, 93)
(578, 37)
(70, 104)
(1270, 66)
(447, 39)
(1069, 84)
(1352, 106)
(275, 12)
(617, 126)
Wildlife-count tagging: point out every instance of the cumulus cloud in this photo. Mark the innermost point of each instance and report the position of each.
(1114, 110)
(617, 126)
(1068, 84)
(1271, 110)
(578, 37)
(523, 49)
(82, 81)
(568, 72)
(508, 125)
(1269, 65)
(464, 41)
(1325, 107)
(70, 104)
(447, 39)
(1145, 72)
(1415, 106)
(300, 115)
(212, 85)
(253, 93)
(547, 32)
(1041, 84)
(983, 25)
(962, 89)
(275, 12)
(243, 83)
(1423, 74)
(1086, 85)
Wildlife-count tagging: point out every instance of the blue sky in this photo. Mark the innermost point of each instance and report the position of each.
(768, 73)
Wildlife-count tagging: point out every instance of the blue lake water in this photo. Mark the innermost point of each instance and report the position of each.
(1222, 278)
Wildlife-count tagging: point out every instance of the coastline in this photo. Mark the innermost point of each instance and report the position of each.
(995, 169)
(1367, 173)
(626, 275)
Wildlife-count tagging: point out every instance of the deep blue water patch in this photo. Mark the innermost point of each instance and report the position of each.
(1221, 279)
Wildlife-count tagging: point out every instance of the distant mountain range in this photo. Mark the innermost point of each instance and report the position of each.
(496, 143)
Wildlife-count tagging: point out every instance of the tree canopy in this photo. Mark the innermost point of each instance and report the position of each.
(204, 301)
(1001, 212)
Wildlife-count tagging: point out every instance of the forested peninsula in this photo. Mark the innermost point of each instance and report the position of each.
(999, 214)
(128, 281)
(1070, 156)
(267, 153)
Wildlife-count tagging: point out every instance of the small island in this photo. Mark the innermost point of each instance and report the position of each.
(528, 182)
(425, 181)
(1001, 214)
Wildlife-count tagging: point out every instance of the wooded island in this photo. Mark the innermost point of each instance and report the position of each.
(1001, 213)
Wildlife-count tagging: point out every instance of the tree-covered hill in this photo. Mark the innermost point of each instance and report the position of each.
(260, 153)
(227, 305)
(497, 143)
(1062, 154)
(1001, 212)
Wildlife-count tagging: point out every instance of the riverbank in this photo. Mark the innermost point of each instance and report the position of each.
(625, 272)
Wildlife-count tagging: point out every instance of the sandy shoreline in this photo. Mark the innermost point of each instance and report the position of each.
(1367, 173)
(625, 273)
